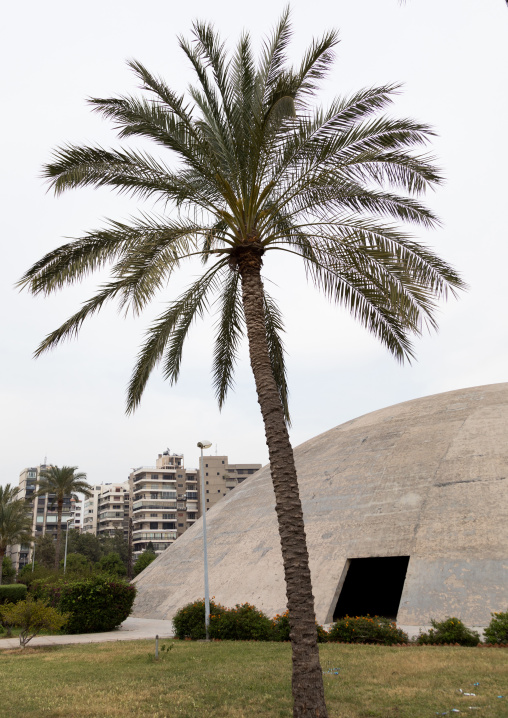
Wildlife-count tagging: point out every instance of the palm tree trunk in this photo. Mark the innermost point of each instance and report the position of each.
(307, 680)
(58, 532)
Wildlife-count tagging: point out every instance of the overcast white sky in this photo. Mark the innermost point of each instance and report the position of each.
(451, 55)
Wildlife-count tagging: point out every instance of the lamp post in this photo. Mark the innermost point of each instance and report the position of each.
(66, 538)
(205, 445)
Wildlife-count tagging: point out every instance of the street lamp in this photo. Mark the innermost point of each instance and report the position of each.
(205, 445)
(66, 538)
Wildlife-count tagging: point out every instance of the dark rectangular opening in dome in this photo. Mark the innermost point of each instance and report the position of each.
(372, 586)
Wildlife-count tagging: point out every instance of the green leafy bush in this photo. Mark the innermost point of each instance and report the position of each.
(144, 560)
(95, 604)
(189, 621)
(280, 629)
(451, 630)
(367, 629)
(112, 564)
(497, 630)
(32, 616)
(242, 623)
(8, 570)
(12, 593)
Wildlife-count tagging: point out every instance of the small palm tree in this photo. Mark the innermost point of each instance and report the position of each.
(64, 483)
(15, 521)
(258, 170)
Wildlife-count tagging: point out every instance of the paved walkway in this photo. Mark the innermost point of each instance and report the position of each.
(130, 630)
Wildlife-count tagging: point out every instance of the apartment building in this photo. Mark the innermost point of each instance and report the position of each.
(221, 477)
(44, 513)
(164, 502)
(107, 509)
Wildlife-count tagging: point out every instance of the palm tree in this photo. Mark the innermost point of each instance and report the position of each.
(15, 521)
(64, 483)
(258, 170)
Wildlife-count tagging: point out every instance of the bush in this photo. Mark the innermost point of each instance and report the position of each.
(451, 630)
(497, 630)
(367, 629)
(8, 571)
(95, 604)
(144, 560)
(32, 616)
(189, 621)
(242, 623)
(112, 564)
(76, 564)
(280, 629)
(12, 593)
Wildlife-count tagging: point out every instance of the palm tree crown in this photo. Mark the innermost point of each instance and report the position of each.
(64, 483)
(258, 169)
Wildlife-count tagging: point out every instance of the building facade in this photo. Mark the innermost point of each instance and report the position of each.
(221, 477)
(164, 502)
(44, 513)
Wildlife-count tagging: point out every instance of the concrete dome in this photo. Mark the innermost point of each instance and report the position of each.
(425, 481)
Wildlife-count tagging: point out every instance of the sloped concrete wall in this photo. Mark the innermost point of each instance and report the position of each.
(427, 478)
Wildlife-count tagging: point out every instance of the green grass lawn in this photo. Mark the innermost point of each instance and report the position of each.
(246, 680)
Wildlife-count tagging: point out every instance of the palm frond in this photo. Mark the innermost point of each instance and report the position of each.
(229, 333)
(274, 327)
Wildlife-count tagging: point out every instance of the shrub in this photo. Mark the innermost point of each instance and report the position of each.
(497, 630)
(112, 564)
(12, 593)
(242, 623)
(280, 629)
(8, 570)
(189, 621)
(367, 629)
(451, 630)
(144, 560)
(95, 604)
(32, 616)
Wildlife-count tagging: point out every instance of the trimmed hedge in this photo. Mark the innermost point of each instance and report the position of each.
(12, 593)
(451, 630)
(95, 604)
(242, 623)
(281, 629)
(367, 629)
(497, 630)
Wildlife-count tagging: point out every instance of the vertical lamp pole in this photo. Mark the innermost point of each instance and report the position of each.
(66, 537)
(205, 445)
(33, 557)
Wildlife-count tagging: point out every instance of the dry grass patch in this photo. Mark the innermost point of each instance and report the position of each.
(245, 680)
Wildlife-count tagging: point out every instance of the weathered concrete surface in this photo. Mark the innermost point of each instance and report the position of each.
(427, 478)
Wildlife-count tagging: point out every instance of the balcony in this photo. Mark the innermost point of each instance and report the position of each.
(144, 535)
(150, 504)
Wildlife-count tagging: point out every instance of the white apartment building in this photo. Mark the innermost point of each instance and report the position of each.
(164, 502)
(44, 513)
(107, 510)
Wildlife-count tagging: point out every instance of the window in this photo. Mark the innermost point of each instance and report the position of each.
(180, 526)
(207, 483)
(206, 475)
(207, 491)
(169, 526)
(153, 516)
(206, 466)
(180, 486)
(155, 477)
(154, 525)
(169, 517)
(222, 462)
(208, 501)
(218, 491)
(191, 515)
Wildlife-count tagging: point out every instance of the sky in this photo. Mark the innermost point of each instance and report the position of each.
(68, 407)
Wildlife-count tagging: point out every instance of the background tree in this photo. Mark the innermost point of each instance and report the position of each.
(86, 544)
(64, 483)
(116, 543)
(143, 560)
(45, 551)
(15, 521)
(257, 170)
(113, 564)
(8, 570)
